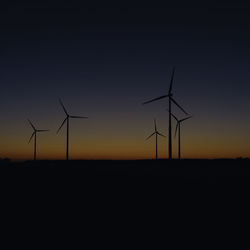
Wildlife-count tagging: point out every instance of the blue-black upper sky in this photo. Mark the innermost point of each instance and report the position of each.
(104, 62)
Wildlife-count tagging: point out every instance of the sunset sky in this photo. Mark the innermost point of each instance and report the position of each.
(104, 62)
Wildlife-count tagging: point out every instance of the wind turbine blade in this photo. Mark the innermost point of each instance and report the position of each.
(178, 105)
(161, 134)
(42, 130)
(173, 116)
(155, 99)
(31, 124)
(31, 137)
(178, 124)
(61, 125)
(150, 136)
(185, 119)
(63, 107)
(81, 117)
(171, 82)
(155, 125)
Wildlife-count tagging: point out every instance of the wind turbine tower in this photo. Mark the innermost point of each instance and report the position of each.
(156, 133)
(178, 127)
(34, 135)
(67, 120)
(170, 101)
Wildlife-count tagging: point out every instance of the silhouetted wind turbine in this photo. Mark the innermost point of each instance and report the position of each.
(178, 127)
(67, 119)
(156, 133)
(34, 134)
(170, 100)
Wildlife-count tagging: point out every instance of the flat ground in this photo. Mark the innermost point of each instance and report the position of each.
(196, 171)
(185, 189)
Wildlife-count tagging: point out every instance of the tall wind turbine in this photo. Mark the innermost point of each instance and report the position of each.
(178, 127)
(67, 120)
(34, 134)
(170, 100)
(156, 133)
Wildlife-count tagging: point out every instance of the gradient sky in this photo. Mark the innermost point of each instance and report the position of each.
(104, 62)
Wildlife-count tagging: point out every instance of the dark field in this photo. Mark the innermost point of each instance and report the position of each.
(184, 171)
(173, 190)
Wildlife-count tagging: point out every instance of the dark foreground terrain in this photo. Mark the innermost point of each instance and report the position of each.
(186, 192)
(184, 171)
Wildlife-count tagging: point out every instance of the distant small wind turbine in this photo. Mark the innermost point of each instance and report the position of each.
(67, 119)
(170, 100)
(156, 133)
(34, 134)
(178, 127)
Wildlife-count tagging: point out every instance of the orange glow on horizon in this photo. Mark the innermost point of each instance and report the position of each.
(125, 140)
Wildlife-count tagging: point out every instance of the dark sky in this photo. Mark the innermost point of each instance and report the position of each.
(104, 62)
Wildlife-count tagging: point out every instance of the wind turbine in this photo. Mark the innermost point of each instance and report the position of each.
(156, 133)
(178, 127)
(34, 134)
(67, 119)
(170, 100)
